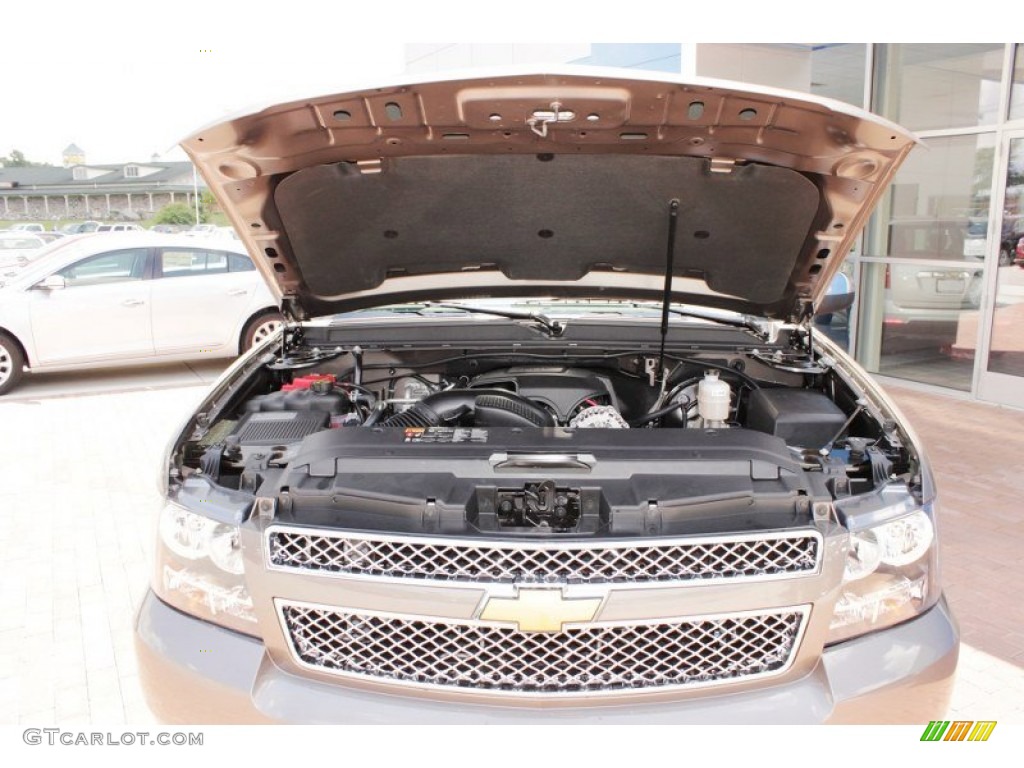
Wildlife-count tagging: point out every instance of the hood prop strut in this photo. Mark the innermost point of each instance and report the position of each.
(673, 221)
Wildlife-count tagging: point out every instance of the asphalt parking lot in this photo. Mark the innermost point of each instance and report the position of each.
(78, 477)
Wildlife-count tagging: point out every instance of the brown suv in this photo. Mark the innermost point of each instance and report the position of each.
(547, 435)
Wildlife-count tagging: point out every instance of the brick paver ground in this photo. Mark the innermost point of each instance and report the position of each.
(975, 452)
(78, 474)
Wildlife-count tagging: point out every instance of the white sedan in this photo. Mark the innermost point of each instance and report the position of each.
(116, 299)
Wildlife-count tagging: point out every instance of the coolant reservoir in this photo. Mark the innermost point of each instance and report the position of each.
(713, 397)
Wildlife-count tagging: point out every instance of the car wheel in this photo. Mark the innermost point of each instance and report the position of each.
(974, 292)
(260, 328)
(12, 364)
(1005, 257)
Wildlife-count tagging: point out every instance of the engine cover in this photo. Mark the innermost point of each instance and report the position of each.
(561, 390)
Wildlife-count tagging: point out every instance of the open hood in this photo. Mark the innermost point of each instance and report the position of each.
(563, 184)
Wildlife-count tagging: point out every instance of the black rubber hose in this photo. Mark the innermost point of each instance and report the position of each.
(649, 417)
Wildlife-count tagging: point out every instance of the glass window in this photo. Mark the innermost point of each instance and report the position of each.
(240, 263)
(1006, 348)
(835, 70)
(655, 56)
(939, 85)
(836, 325)
(920, 322)
(216, 261)
(176, 262)
(111, 267)
(1017, 86)
(938, 206)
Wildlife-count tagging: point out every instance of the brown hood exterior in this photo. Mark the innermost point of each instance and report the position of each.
(472, 187)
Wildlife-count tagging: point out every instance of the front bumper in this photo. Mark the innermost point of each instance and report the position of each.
(195, 672)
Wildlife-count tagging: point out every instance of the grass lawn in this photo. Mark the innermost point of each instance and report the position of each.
(216, 217)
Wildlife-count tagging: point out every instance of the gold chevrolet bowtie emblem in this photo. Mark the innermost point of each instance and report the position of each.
(540, 610)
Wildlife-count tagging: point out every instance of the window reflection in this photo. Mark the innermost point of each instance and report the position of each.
(940, 85)
(1006, 348)
(835, 70)
(1017, 86)
(925, 321)
(938, 206)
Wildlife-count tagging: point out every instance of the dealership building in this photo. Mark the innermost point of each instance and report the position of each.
(80, 190)
(940, 301)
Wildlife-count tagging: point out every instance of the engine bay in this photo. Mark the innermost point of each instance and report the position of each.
(425, 438)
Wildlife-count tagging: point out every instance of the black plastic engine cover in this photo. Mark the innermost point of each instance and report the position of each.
(801, 417)
(629, 481)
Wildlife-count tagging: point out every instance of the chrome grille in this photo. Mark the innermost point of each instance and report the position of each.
(592, 659)
(788, 554)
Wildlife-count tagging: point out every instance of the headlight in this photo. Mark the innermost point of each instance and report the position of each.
(185, 533)
(906, 540)
(890, 575)
(199, 568)
(224, 548)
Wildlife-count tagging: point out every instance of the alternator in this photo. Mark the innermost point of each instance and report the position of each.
(599, 417)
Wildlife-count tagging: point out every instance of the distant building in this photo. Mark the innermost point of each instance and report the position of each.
(126, 191)
(73, 155)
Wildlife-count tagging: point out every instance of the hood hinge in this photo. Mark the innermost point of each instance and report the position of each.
(803, 314)
(292, 309)
(723, 164)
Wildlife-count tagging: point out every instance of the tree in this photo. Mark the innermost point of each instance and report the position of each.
(207, 204)
(175, 213)
(17, 160)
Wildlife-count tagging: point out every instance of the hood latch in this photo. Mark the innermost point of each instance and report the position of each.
(542, 118)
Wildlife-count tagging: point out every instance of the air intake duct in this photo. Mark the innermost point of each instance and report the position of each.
(472, 407)
(509, 410)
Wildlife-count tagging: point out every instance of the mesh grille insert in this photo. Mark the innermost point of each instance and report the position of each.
(453, 560)
(586, 660)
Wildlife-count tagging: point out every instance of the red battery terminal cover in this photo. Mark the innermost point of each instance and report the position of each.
(307, 381)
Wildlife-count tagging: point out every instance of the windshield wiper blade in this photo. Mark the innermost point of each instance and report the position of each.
(553, 328)
(755, 326)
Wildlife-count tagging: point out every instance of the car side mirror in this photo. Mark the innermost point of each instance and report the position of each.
(834, 302)
(52, 283)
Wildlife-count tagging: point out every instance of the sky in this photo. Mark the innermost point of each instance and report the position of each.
(126, 80)
(127, 83)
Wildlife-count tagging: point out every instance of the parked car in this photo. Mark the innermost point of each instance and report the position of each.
(201, 230)
(26, 227)
(976, 241)
(1018, 253)
(929, 294)
(549, 438)
(118, 228)
(80, 227)
(224, 233)
(100, 300)
(17, 248)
